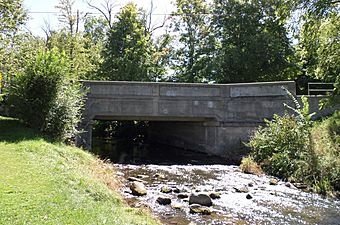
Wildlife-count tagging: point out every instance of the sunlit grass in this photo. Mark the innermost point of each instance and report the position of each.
(50, 183)
(248, 165)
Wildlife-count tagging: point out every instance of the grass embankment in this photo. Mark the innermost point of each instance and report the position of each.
(325, 137)
(51, 183)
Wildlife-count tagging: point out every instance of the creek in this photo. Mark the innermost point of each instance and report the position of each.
(243, 198)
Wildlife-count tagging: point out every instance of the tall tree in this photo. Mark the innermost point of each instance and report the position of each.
(106, 10)
(128, 49)
(69, 35)
(94, 36)
(81, 48)
(253, 41)
(319, 43)
(12, 18)
(191, 61)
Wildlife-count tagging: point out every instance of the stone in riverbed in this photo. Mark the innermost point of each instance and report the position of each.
(138, 188)
(159, 175)
(214, 195)
(176, 190)
(176, 206)
(136, 179)
(196, 208)
(201, 199)
(287, 184)
(142, 176)
(183, 195)
(166, 189)
(163, 200)
(273, 181)
(300, 185)
(241, 189)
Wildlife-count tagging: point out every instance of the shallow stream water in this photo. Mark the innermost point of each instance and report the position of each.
(244, 198)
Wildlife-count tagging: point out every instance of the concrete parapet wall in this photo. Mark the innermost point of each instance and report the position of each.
(228, 102)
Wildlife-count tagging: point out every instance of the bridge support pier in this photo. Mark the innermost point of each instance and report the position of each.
(85, 137)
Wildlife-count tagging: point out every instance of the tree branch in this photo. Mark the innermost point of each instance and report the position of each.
(108, 7)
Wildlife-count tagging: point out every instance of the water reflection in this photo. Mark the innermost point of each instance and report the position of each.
(125, 152)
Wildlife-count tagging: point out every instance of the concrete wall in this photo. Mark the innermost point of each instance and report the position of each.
(225, 140)
(195, 102)
(212, 118)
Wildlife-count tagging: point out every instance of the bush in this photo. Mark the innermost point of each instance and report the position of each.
(279, 146)
(44, 98)
(291, 146)
(282, 147)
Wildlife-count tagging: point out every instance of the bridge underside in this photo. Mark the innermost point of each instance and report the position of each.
(199, 134)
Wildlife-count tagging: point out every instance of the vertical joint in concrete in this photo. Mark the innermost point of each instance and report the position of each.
(85, 137)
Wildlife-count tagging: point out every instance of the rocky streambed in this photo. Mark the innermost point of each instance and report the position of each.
(222, 194)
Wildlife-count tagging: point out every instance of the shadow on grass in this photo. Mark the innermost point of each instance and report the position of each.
(13, 131)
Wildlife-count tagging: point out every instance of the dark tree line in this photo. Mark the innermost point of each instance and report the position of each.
(222, 41)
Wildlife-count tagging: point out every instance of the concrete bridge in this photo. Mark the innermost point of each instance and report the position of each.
(212, 118)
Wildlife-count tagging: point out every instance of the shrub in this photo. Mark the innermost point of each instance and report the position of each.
(278, 146)
(248, 165)
(282, 147)
(65, 113)
(44, 98)
(291, 146)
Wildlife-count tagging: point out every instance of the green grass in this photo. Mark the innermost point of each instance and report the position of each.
(325, 137)
(51, 183)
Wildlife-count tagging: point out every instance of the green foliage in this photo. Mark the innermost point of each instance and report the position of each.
(291, 146)
(279, 146)
(283, 145)
(82, 48)
(82, 55)
(65, 114)
(253, 41)
(301, 113)
(95, 29)
(12, 18)
(319, 45)
(128, 52)
(45, 99)
(325, 136)
(12, 15)
(192, 60)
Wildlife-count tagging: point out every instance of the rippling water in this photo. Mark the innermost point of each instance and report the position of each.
(270, 204)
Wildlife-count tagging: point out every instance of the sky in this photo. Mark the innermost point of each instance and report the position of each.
(43, 11)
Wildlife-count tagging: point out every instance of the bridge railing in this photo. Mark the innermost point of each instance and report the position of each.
(319, 88)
